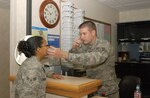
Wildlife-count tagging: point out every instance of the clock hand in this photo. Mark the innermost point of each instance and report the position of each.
(49, 12)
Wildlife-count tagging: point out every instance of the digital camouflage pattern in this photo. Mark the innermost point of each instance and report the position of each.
(99, 60)
(31, 79)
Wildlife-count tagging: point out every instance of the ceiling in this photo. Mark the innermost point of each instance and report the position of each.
(122, 5)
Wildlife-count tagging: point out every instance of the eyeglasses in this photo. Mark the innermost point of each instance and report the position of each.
(45, 46)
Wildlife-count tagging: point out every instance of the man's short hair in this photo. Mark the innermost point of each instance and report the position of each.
(91, 25)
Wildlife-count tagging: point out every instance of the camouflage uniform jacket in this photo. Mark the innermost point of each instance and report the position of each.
(31, 79)
(99, 61)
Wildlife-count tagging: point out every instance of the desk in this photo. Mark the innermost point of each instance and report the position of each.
(74, 87)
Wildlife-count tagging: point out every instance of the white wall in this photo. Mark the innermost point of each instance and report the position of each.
(17, 28)
(134, 15)
(4, 52)
(36, 20)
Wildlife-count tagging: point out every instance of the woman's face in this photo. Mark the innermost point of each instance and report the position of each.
(42, 51)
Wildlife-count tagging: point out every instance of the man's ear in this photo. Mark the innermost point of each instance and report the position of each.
(93, 32)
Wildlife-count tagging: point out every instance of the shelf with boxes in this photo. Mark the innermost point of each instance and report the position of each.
(133, 51)
(133, 41)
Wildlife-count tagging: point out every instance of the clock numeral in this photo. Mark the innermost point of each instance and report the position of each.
(44, 13)
(46, 9)
(45, 16)
(50, 6)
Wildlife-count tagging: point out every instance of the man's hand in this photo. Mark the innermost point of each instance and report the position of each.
(77, 43)
(56, 52)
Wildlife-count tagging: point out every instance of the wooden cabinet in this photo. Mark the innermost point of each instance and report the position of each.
(133, 30)
(134, 52)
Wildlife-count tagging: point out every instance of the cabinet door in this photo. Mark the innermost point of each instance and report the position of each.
(120, 31)
(133, 30)
(124, 69)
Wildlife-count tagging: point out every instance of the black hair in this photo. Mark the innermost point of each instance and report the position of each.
(91, 25)
(30, 46)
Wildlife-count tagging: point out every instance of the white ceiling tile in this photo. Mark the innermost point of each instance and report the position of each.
(126, 4)
(117, 4)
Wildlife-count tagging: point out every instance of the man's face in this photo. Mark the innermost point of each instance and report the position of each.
(87, 36)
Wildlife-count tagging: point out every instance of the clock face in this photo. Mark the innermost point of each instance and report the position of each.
(49, 13)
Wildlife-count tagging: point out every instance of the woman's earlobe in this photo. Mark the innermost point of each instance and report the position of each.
(38, 49)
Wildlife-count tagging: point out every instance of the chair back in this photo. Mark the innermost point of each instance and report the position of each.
(127, 86)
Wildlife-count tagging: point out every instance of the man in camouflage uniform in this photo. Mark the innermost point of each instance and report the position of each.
(96, 55)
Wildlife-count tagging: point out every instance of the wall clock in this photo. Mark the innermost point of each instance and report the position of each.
(49, 13)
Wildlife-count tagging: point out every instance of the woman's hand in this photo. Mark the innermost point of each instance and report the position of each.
(57, 76)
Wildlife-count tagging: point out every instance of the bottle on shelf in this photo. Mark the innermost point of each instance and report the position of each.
(137, 92)
(125, 57)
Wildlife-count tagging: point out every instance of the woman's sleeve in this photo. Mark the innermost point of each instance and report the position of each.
(48, 71)
(31, 84)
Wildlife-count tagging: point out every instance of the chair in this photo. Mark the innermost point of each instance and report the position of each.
(127, 86)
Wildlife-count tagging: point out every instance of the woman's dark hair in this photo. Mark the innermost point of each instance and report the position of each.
(30, 46)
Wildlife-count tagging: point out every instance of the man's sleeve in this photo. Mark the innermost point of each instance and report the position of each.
(91, 58)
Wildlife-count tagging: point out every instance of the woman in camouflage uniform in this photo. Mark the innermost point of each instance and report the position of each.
(95, 55)
(31, 77)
